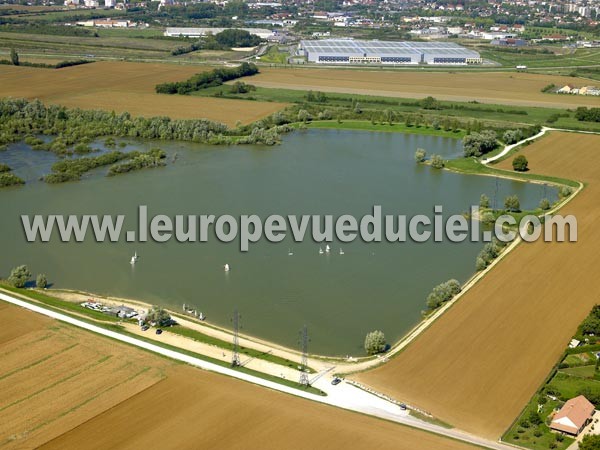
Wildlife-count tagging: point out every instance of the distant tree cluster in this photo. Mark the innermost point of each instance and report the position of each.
(21, 119)
(204, 80)
(477, 144)
(233, 37)
(442, 293)
(587, 115)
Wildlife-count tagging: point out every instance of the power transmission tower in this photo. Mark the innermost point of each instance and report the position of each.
(235, 356)
(304, 362)
(496, 195)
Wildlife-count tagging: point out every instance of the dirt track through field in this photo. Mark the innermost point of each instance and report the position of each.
(509, 88)
(123, 86)
(481, 362)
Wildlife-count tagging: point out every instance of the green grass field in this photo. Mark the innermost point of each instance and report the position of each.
(518, 115)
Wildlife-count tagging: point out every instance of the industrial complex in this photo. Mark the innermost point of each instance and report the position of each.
(350, 51)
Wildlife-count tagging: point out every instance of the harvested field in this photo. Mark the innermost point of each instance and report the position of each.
(122, 86)
(509, 88)
(61, 387)
(480, 363)
(192, 409)
(54, 377)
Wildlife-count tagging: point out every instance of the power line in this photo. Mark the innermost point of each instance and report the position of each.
(304, 361)
(235, 355)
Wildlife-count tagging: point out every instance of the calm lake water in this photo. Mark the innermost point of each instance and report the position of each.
(340, 297)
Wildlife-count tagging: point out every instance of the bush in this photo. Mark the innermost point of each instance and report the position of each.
(484, 201)
(375, 342)
(545, 204)
(512, 136)
(420, 155)
(437, 162)
(590, 442)
(4, 168)
(520, 163)
(511, 203)
(41, 281)
(19, 276)
(10, 179)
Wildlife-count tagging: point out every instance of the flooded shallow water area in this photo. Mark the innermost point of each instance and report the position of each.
(339, 297)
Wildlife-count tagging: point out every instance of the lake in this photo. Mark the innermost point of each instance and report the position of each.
(339, 297)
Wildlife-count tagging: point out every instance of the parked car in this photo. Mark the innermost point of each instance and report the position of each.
(402, 406)
(336, 381)
(145, 328)
(159, 331)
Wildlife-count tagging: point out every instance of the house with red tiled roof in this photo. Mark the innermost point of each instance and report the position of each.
(573, 416)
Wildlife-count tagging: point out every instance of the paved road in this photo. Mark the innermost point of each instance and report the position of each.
(344, 395)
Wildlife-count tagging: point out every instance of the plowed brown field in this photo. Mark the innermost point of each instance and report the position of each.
(509, 88)
(61, 387)
(124, 86)
(478, 365)
(193, 409)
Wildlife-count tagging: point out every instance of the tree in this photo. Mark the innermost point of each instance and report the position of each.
(41, 281)
(19, 276)
(590, 442)
(437, 162)
(420, 155)
(159, 316)
(484, 201)
(14, 57)
(442, 293)
(512, 136)
(545, 204)
(476, 144)
(534, 417)
(520, 163)
(303, 116)
(375, 342)
(511, 203)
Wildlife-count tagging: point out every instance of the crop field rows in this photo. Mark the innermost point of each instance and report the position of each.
(56, 377)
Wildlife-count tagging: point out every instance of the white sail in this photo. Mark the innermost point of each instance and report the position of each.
(226, 267)
(327, 248)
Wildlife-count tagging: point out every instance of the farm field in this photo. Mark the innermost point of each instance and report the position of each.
(62, 387)
(192, 408)
(487, 87)
(54, 377)
(480, 363)
(122, 86)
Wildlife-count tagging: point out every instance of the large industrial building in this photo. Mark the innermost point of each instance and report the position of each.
(350, 51)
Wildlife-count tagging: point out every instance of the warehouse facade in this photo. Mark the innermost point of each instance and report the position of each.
(350, 51)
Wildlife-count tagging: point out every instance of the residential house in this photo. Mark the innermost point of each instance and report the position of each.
(573, 416)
